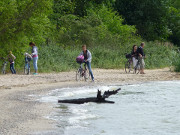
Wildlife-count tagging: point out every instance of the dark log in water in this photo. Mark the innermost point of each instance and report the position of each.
(99, 99)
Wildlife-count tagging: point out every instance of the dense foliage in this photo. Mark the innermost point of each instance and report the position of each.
(151, 18)
(108, 27)
(22, 21)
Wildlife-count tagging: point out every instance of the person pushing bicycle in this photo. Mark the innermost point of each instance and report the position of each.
(87, 59)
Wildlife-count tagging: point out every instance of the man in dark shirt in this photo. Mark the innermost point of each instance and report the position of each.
(141, 56)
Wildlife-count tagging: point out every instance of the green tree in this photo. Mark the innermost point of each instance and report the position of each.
(22, 21)
(149, 17)
(61, 8)
(81, 6)
(175, 4)
(174, 22)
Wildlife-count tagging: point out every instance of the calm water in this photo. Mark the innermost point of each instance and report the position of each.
(143, 109)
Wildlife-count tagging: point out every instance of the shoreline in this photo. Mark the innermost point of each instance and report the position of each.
(22, 113)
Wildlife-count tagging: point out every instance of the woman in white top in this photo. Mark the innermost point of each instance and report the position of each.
(134, 55)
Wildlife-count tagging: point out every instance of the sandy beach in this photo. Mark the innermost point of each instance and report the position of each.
(23, 114)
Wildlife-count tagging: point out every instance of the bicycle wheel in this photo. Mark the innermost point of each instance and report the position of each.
(128, 67)
(78, 75)
(27, 69)
(86, 75)
(136, 68)
(4, 69)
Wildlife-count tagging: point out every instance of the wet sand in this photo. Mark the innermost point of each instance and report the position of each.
(22, 113)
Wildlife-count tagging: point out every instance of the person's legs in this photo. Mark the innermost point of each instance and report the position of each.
(141, 67)
(12, 68)
(134, 61)
(90, 70)
(142, 64)
(35, 59)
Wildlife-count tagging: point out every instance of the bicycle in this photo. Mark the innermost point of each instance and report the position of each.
(28, 58)
(129, 63)
(3, 69)
(82, 73)
(137, 67)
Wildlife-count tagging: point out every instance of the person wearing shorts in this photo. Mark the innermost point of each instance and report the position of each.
(141, 56)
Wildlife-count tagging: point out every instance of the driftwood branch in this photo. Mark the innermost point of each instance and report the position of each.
(99, 99)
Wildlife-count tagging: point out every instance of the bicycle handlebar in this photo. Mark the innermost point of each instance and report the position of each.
(27, 55)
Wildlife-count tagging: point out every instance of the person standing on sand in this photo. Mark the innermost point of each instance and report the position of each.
(134, 55)
(141, 56)
(11, 59)
(87, 59)
(34, 56)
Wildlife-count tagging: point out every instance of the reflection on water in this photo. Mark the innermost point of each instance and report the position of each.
(143, 109)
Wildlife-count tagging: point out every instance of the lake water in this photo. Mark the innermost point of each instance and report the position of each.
(144, 109)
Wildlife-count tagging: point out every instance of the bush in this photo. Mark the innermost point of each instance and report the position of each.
(159, 56)
(55, 58)
(176, 62)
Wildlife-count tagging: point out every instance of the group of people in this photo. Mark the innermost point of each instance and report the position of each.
(11, 58)
(138, 55)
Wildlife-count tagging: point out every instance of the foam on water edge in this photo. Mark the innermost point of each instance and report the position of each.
(140, 109)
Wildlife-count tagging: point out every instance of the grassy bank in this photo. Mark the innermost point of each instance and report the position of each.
(55, 58)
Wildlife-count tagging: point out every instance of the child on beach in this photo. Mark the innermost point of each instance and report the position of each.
(11, 59)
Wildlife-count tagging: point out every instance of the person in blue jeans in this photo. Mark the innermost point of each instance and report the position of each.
(34, 56)
(87, 59)
(11, 59)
